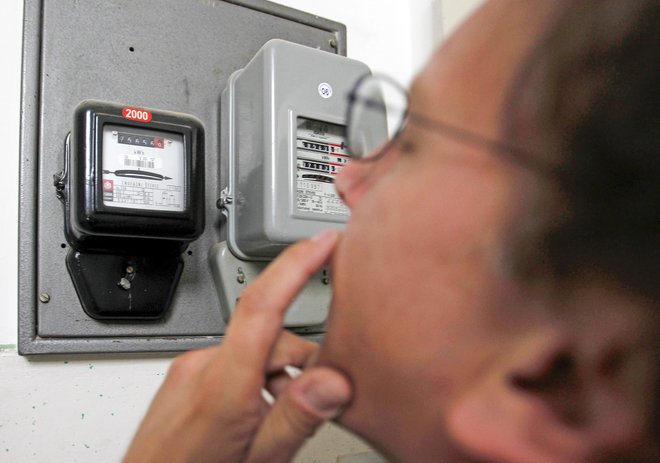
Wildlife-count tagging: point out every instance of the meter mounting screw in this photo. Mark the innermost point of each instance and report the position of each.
(240, 276)
(58, 183)
(125, 281)
(60, 178)
(224, 199)
(44, 297)
(333, 43)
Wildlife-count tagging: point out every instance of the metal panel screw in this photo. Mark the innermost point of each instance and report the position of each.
(240, 276)
(333, 43)
(125, 282)
(44, 297)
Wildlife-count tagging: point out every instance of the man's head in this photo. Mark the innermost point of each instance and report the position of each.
(465, 326)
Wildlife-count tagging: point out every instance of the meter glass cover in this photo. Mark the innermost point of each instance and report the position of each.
(143, 169)
(321, 154)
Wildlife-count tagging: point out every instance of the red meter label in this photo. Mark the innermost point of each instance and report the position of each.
(136, 114)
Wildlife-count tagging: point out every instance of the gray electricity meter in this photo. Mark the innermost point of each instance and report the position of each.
(283, 131)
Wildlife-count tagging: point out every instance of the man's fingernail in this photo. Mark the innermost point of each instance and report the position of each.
(325, 235)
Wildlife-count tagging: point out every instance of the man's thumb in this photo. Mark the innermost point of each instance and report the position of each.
(318, 395)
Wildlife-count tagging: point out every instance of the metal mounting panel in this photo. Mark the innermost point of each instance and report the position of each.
(173, 55)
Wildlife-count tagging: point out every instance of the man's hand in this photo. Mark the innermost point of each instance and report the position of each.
(210, 408)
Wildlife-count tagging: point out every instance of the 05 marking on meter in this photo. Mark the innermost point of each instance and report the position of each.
(325, 90)
(136, 114)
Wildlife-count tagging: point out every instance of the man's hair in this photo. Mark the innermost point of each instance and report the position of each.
(587, 101)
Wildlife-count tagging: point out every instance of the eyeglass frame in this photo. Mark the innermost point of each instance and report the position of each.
(520, 155)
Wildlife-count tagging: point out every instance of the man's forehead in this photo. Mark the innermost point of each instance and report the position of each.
(468, 78)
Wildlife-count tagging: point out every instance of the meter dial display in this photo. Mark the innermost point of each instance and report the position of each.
(143, 169)
(321, 154)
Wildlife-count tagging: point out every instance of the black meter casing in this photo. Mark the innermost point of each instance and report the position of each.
(95, 224)
(133, 194)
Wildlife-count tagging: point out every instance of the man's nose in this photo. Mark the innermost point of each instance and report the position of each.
(353, 181)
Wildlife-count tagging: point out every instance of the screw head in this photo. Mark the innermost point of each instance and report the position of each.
(240, 276)
(223, 201)
(44, 297)
(333, 43)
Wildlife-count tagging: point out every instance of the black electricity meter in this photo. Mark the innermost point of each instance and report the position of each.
(133, 194)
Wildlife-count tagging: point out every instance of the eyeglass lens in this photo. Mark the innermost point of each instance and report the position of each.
(377, 114)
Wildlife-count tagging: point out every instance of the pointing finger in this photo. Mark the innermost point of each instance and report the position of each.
(258, 319)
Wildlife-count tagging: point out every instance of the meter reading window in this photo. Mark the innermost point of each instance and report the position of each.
(143, 169)
(321, 154)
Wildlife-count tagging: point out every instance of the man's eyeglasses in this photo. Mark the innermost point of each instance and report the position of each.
(378, 112)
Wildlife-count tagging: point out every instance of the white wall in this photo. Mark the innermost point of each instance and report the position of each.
(453, 12)
(11, 22)
(84, 408)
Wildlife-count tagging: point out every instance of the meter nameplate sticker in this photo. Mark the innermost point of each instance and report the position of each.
(320, 155)
(143, 169)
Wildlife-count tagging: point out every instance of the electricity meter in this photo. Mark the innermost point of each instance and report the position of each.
(283, 133)
(133, 192)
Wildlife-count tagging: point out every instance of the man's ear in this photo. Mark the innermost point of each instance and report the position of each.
(535, 405)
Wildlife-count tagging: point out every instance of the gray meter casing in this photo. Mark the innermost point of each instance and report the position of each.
(263, 105)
